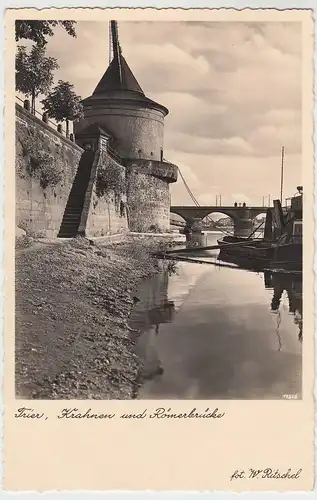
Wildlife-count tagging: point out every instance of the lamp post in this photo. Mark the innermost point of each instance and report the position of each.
(264, 198)
(282, 174)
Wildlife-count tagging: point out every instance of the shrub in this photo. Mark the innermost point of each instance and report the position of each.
(154, 228)
(39, 163)
(30, 232)
(23, 242)
(110, 180)
(44, 168)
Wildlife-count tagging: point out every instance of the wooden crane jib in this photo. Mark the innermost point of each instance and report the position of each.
(115, 45)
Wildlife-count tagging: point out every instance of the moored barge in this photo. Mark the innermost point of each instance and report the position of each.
(281, 245)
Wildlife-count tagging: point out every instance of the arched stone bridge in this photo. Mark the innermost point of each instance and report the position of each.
(242, 216)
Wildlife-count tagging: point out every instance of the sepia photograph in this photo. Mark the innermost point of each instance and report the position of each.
(158, 210)
(159, 249)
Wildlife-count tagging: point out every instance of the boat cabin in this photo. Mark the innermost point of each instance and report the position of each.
(294, 214)
(284, 224)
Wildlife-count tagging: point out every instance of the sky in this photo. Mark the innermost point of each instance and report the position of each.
(233, 90)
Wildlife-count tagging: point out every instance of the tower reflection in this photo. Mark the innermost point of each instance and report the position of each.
(152, 310)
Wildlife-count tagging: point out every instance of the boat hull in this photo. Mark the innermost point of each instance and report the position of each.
(261, 255)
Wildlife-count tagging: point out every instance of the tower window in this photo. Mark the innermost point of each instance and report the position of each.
(161, 154)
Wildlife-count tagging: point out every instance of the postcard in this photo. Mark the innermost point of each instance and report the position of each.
(159, 244)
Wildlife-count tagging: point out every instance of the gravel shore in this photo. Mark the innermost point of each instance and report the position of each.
(73, 301)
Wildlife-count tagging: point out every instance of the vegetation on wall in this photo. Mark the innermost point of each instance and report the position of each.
(43, 166)
(30, 232)
(38, 162)
(63, 104)
(110, 180)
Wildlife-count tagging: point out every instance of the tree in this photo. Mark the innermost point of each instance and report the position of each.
(63, 104)
(38, 30)
(34, 72)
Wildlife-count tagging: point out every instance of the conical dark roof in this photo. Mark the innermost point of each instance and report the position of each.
(118, 84)
(118, 77)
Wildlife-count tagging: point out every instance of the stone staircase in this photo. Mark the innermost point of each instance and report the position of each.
(72, 215)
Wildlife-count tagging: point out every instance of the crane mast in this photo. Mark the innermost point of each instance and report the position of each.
(114, 46)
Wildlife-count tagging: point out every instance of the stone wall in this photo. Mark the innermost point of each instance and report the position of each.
(160, 169)
(148, 194)
(40, 210)
(148, 201)
(138, 131)
(106, 211)
(143, 204)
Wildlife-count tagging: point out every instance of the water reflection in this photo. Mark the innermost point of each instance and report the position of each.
(292, 285)
(161, 314)
(218, 333)
(152, 310)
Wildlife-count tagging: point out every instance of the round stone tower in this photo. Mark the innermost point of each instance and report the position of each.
(135, 125)
(119, 105)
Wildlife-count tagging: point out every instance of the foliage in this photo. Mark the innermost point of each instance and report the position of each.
(39, 163)
(31, 233)
(34, 72)
(23, 242)
(110, 180)
(154, 228)
(63, 104)
(146, 249)
(37, 31)
(43, 166)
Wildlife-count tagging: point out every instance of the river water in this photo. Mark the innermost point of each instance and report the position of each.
(211, 332)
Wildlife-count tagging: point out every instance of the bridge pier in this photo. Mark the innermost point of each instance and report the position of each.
(243, 224)
(196, 226)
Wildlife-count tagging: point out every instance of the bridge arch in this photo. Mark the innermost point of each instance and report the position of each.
(255, 212)
(233, 215)
(190, 213)
(174, 212)
(219, 222)
(258, 220)
(242, 216)
(182, 221)
(223, 213)
(258, 217)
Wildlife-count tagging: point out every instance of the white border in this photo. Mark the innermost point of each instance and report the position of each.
(238, 4)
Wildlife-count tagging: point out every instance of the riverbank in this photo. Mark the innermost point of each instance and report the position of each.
(73, 301)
